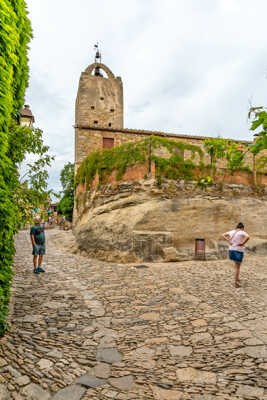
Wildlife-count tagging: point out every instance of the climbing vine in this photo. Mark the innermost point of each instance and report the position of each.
(174, 166)
(108, 160)
(119, 158)
(261, 164)
(15, 33)
(216, 148)
(168, 156)
(235, 157)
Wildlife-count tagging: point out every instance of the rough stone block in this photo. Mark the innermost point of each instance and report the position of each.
(73, 392)
(180, 351)
(250, 391)
(90, 381)
(123, 383)
(109, 356)
(4, 393)
(193, 375)
(35, 392)
(163, 394)
(170, 254)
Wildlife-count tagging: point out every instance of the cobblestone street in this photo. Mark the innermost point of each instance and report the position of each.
(87, 329)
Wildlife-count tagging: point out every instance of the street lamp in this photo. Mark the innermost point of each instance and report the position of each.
(26, 117)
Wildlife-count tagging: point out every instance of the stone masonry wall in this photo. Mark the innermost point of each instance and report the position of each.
(90, 139)
(99, 103)
(142, 171)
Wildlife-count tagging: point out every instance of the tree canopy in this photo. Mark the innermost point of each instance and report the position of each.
(65, 206)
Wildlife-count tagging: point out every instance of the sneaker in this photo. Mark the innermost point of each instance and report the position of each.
(36, 271)
(40, 269)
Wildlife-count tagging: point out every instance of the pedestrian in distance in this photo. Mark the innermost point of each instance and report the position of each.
(237, 239)
(38, 245)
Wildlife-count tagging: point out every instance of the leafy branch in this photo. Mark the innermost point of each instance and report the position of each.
(258, 117)
(30, 189)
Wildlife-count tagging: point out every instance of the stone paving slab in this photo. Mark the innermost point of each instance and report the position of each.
(87, 329)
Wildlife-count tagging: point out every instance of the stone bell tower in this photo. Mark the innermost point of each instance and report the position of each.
(99, 104)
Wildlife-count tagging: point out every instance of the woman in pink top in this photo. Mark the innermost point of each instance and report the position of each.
(237, 239)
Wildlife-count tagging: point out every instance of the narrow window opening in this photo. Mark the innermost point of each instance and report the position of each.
(101, 98)
(92, 107)
(95, 122)
(109, 124)
(112, 110)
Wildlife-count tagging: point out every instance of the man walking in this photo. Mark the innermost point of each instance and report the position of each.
(38, 245)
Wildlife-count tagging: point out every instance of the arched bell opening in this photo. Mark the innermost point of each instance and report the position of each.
(98, 68)
(98, 71)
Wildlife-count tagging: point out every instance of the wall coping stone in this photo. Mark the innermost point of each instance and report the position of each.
(155, 133)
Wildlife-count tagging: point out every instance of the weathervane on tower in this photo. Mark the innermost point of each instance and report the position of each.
(97, 53)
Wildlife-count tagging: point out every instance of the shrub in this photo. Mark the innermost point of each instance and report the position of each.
(204, 182)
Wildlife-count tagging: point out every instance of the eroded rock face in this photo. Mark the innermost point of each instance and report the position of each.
(138, 221)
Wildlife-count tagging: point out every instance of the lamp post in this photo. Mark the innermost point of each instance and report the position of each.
(26, 116)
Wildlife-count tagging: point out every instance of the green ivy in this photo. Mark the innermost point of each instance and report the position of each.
(174, 167)
(261, 164)
(15, 33)
(216, 148)
(108, 160)
(119, 158)
(172, 146)
(235, 158)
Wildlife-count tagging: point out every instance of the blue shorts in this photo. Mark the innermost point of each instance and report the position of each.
(38, 249)
(236, 256)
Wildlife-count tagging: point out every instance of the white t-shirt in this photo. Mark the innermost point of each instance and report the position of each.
(237, 236)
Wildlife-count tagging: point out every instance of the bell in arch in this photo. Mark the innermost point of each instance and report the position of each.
(97, 71)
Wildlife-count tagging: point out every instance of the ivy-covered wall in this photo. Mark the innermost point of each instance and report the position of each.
(15, 34)
(152, 149)
(168, 157)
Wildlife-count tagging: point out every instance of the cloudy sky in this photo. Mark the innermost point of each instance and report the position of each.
(188, 66)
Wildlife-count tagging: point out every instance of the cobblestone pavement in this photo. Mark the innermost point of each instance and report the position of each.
(86, 329)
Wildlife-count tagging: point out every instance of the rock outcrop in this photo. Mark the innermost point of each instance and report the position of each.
(140, 221)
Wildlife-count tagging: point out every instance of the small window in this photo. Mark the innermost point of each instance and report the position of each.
(101, 98)
(92, 107)
(95, 122)
(108, 143)
(112, 110)
(109, 124)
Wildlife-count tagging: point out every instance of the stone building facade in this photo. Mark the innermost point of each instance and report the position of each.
(99, 116)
